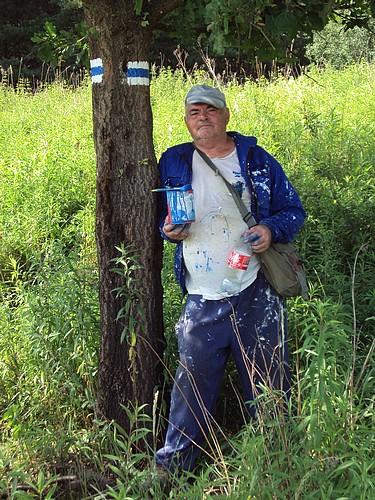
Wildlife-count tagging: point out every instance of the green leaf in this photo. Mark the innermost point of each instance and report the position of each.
(138, 6)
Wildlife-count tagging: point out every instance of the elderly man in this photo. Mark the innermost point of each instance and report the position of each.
(250, 325)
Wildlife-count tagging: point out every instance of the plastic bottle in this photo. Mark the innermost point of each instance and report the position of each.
(238, 262)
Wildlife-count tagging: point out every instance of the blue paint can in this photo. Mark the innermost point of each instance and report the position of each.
(180, 202)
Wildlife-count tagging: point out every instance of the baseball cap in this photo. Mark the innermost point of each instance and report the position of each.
(207, 95)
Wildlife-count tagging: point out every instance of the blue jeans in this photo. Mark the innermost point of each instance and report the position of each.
(252, 327)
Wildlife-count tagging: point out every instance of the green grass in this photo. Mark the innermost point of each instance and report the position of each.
(321, 128)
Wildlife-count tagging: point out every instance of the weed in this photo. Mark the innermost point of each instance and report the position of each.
(321, 128)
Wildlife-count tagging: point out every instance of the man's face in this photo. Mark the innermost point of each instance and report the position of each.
(205, 121)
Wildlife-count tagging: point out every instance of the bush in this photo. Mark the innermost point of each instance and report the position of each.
(340, 47)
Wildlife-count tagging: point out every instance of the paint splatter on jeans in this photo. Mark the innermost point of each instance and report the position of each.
(252, 327)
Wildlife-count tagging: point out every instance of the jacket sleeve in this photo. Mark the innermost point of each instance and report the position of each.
(163, 197)
(286, 213)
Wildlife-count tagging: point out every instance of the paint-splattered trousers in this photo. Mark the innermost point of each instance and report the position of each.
(252, 327)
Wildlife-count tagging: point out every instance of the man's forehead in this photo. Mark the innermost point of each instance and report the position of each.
(200, 105)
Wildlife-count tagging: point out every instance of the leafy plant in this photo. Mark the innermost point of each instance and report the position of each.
(338, 46)
(64, 47)
(320, 126)
(126, 266)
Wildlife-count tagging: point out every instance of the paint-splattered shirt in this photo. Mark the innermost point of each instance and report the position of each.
(217, 229)
(274, 201)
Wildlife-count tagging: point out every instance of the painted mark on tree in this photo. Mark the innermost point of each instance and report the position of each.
(96, 66)
(138, 73)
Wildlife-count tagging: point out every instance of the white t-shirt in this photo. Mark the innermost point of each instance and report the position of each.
(217, 229)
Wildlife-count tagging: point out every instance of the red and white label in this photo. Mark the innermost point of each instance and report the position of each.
(239, 260)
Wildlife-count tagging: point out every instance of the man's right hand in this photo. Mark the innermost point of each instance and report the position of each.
(175, 231)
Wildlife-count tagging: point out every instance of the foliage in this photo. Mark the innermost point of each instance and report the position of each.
(236, 32)
(20, 22)
(339, 47)
(47, 161)
(261, 28)
(126, 266)
(66, 47)
(241, 31)
(321, 128)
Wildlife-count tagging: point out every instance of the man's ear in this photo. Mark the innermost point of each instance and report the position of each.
(227, 115)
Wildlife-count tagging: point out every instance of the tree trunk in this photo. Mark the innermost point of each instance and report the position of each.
(126, 211)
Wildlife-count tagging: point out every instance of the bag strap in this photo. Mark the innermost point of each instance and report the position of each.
(246, 215)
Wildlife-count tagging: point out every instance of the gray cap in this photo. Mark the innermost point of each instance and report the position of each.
(206, 95)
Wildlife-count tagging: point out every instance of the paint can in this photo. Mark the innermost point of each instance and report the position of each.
(180, 202)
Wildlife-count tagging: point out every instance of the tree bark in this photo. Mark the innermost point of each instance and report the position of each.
(126, 211)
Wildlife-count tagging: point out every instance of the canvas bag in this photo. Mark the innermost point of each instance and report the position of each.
(284, 270)
(281, 264)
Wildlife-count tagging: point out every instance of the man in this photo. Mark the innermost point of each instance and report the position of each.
(251, 325)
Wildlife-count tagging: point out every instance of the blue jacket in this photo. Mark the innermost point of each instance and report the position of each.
(274, 201)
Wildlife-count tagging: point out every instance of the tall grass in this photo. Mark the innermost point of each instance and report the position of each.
(321, 128)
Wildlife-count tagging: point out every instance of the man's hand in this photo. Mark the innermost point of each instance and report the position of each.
(175, 231)
(264, 240)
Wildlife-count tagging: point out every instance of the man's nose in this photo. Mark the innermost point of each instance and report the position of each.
(203, 114)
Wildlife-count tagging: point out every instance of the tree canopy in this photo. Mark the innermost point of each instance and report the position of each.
(54, 31)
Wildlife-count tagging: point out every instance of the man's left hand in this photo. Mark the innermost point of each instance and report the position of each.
(265, 238)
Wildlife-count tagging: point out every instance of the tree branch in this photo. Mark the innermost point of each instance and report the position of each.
(158, 9)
